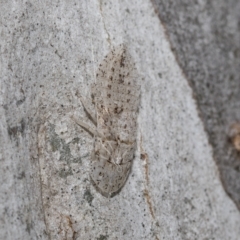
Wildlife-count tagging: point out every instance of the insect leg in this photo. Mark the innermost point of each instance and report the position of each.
(86, 107)
(81, 123)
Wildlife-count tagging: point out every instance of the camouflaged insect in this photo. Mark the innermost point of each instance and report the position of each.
(116, 95)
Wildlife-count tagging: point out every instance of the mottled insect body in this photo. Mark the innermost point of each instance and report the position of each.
(116, 95)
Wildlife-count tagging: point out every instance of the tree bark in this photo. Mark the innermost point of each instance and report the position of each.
(205, 38)
(48, 51)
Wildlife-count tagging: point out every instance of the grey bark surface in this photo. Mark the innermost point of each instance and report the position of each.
(205, 37)
(48, 51)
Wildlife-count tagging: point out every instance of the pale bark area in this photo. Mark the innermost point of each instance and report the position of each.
(48, 51)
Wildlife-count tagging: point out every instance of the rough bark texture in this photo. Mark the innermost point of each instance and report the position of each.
(50, 50)
(205, 36)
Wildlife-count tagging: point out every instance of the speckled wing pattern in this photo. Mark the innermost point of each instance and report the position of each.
(117, 95)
